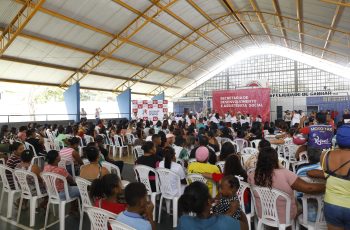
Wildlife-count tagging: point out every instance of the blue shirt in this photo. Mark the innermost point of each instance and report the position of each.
(134, 220)
(302, 171)
(221, 222)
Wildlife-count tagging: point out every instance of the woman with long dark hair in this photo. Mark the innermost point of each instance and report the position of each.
(169, 162)
(269, 174)
(234, 167)
(226, 150)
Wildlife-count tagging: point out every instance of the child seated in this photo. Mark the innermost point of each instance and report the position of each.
(139, 213)
(228, 202)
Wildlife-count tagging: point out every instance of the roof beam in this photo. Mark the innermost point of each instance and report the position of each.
(81, 50)
(154, 21)
(186, 24)
(300, 22)
(56, 85)
(18, 23)
(172, 51)
(229, 5)
(98, 30)
(280, 19)
(129, 31)
(66, 68)
(340, 3)
(335, 18)
(210, 20)
(260, 17)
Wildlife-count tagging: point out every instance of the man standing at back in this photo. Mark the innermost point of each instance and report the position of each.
(320, 134)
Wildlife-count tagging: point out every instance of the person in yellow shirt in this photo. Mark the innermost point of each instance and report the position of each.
(202, 166)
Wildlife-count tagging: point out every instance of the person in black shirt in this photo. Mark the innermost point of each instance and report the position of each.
(149, 159)
(157, 141)
(203, 141)
(36, 140)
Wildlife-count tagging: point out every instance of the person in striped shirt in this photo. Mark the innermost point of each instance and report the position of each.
(16, 148)
(71, 154)
(313, 155)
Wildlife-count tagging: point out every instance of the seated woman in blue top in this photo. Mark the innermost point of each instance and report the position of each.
(196, 199)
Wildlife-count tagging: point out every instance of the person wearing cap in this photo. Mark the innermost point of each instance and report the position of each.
(204, 141)
(202, 166)
(336, 171)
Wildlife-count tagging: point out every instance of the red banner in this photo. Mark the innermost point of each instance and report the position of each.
(254, 101)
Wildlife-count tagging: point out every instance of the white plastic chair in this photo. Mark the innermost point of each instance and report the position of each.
(81, 145)
(177, 150)
(118, 140)
(7, 188)
(30, 147)
(130, 138)
(249, 151)
(221, 165)
(142, 173)
(284, 162)
(137, 152)
(243, 187)
(255, 143)
(85, 161)
(289, 152)
(246, 153)
(303, 159)
(192, 160)
(64, 163)
(241, 143)
(28, 194)
(192, 177)
(39, 161)
(268, 203)
(181, 162)
(116, 225)
(99, 218)
(115, 170)
(58, 145)
(85, 198)
(166, 179)
(50, 180)
(88, 139)
(320, 222)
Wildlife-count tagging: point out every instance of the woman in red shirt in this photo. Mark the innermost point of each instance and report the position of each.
(104, 192)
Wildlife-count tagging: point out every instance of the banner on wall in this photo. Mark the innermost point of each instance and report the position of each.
(150, 109)
(246, 101)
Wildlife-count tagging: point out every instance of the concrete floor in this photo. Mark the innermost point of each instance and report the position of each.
(71, 222)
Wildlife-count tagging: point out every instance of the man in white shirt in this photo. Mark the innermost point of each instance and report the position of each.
(228, 117)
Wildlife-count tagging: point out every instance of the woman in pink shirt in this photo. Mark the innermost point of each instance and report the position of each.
(269, 174)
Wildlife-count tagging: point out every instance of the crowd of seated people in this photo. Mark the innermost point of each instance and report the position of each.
(194, 144)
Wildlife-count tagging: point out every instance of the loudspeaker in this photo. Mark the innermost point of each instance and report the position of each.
(279, 110)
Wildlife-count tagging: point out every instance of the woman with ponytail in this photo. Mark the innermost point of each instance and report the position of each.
(196, 199)
(105, 191)
(169, 162)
